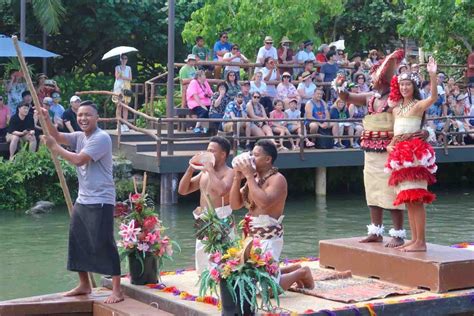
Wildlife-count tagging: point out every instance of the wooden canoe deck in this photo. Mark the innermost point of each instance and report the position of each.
(83, 305)
(291, 303)
(140, 149)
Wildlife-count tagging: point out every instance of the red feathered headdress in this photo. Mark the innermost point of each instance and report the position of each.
(383, 72)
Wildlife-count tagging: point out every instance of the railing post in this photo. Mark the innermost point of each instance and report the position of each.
(118, 115)
(152, 98)
(302, 136)
(146, 96)
(158, 143)
(235, 137)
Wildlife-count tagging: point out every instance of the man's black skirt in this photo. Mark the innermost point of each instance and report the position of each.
(92, 247)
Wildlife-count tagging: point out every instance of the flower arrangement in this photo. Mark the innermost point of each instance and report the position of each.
(214, 232)
(245, 270)
(141, 231)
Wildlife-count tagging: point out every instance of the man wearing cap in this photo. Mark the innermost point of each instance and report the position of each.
(186, 74)
(70, 115)
(57, 109)
(21, 128)
(286, 55)
(267, 50)
(306, 53)
(245, 89)
(92, 247)
(236, 110)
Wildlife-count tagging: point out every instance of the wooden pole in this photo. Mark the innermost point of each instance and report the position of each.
(57, 165)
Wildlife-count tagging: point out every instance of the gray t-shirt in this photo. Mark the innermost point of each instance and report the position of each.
(96, 183)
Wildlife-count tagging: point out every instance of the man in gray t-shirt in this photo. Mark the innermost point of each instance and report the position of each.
(92, 246)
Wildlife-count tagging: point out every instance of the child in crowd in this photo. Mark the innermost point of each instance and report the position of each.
(280, 127)
(294, 127)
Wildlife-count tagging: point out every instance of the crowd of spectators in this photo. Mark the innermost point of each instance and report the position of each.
(19, 122)
(303, 90)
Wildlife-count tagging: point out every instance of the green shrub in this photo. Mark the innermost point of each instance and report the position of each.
(70, 83)
(159, 110)
(31, 177)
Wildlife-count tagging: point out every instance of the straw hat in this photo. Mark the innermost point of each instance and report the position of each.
(285, 39)
(268, 39)
(305, 75)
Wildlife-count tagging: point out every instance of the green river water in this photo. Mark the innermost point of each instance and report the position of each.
(33, 250)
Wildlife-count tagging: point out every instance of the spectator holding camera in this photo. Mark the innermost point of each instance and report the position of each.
(198, 98)
(45, 87)
(14, 88)
(286, 55)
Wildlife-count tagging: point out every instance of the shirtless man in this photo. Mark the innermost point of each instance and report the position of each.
(264, 195)
(377, 134)
(214, 181)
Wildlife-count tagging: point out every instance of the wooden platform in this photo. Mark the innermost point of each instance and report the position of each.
(84, 305)
(291, 303)
(440, 269)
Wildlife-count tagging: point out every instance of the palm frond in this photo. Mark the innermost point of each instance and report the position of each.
(49, 14)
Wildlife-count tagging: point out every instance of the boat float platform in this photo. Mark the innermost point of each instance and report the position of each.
(351, 279)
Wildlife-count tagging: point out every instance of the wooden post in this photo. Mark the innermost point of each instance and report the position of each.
(168, 189)
(57, 165)
(320, 181)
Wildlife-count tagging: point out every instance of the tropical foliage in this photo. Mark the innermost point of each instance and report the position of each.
(31, 177)
(445, 28)
(248, 22)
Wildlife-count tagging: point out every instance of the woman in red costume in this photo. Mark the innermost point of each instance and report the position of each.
(411, 161)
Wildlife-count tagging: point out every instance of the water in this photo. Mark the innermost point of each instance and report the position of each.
(33, 250)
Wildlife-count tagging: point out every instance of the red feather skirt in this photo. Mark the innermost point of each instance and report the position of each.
(412, 167)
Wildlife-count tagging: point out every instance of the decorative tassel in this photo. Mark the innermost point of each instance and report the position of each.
(401, 233)
(411, 174)
(376, 230)
(414, 196)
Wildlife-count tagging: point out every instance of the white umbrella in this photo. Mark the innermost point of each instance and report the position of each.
(117, 51)
(339, 44)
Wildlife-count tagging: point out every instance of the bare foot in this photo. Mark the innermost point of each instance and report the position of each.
(115, 297)
(372, 238)
(79, 290)
(415, 247)
(395, 242)
(406, 244)
(308, 281)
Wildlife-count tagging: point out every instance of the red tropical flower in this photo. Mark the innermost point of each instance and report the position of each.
(150, 222)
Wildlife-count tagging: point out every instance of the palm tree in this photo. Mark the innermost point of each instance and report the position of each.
(49, 14)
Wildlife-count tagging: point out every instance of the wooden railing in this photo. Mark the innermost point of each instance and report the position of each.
(236, 137)
(153, 83)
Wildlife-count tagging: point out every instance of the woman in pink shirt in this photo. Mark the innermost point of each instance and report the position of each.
(198, 98)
